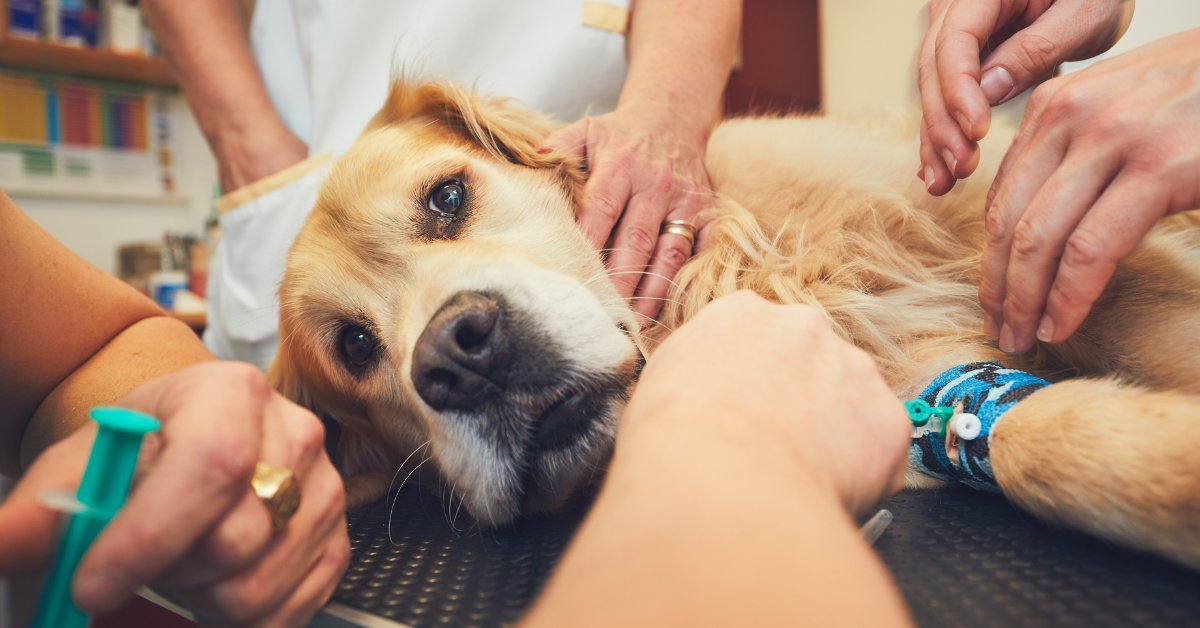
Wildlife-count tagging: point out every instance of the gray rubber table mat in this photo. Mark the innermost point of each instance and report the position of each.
(961, 558)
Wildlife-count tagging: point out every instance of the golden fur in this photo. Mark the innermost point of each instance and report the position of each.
(807, 210)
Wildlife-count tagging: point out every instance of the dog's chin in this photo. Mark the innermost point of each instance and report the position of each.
(555, 475)
(566, 448)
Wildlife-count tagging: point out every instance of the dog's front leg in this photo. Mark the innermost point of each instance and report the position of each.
(1108, 458)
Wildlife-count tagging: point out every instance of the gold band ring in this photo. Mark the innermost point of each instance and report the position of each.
(680, 228)
(276, 486)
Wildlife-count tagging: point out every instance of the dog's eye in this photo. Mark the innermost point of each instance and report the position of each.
(358, 347)
(447, 199)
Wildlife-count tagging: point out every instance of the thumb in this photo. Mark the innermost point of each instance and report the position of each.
(28, 528)
(27, 531)
(1067, 31)
(570, 140)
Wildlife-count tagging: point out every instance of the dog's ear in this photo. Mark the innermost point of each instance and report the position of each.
(499, 128)
(283, 377)
(352, 452)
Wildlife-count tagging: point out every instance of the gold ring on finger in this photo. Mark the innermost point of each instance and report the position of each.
(680, 228)
(276, 486)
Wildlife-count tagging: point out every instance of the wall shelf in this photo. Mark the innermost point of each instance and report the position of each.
(32, 54)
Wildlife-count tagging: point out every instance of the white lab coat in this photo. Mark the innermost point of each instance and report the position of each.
(326, 65)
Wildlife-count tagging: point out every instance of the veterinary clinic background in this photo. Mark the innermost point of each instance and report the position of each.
(158, 159)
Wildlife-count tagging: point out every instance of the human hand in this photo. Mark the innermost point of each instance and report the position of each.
(1101, 156)
(1027, 40)
(193, 528)
(787, 377)
(646, 167)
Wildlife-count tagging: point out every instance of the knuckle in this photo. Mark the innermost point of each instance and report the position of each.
(1155, 160)
(663, 180)
(941, 40)
(1035, 54)
(930, 124)
(995, 227)
(1028, 241)
(308, 433)
(638, 238)
(1040, 97)
(231, 548)
(1063, 299)
(926, 69)
(673, 255)
(604, 204)
(1017, 309)
(1065, 104)
(247, 378)
(228, 462)
(331, 499)
(337, 499)
(811, 321)
(1119, 123)
(1084, 249)
(990, 296)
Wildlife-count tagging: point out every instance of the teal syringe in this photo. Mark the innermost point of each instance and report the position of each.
(101, 493)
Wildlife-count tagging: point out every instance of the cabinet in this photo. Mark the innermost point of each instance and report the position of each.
(43, 56)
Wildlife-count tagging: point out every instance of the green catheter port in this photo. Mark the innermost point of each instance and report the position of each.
(919, 412)
(102, 492)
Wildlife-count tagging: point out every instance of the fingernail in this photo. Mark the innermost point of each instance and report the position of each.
(996, 84)
(1045, 331)
(928, 178)
(1006, 340)
(990, 328)
(97, 591)
(951, 160)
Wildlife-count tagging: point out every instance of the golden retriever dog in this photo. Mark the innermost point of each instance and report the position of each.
(440, 306)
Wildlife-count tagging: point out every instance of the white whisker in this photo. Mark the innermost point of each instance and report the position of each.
(393, 501)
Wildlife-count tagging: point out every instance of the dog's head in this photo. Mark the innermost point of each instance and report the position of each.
(441, 298)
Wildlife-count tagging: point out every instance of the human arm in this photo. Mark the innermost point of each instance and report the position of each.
(978, 54)
(75, 337)
(646, 158)
(205, 43)
(731, 495)
(1102, 154)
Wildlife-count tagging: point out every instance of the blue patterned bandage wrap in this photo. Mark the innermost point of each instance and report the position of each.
(985, 389)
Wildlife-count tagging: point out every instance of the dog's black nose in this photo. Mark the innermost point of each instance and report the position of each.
(461, 352)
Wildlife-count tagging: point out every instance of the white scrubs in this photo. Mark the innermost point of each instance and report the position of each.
(327, 64)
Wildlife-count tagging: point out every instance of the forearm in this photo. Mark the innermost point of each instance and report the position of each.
(146, 350)
(206, 45)
(699, 527)
(72, 335)
(680, 56)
